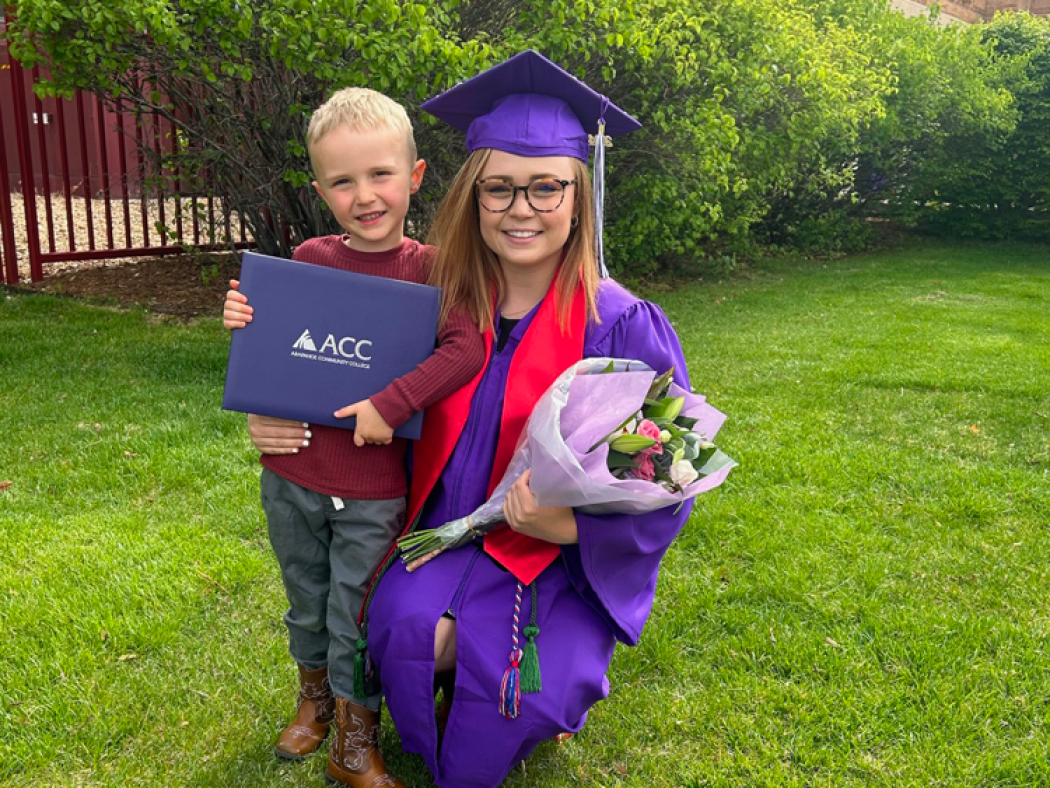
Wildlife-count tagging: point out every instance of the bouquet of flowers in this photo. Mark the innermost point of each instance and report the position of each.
(608, 436)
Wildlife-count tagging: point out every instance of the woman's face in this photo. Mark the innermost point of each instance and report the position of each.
(522, 237)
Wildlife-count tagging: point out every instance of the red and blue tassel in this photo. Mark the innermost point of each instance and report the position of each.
(510, 688)
(523, 675)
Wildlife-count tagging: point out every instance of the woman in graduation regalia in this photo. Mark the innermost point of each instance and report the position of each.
(519, 245)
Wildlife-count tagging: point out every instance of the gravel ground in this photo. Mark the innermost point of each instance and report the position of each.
(77, 215)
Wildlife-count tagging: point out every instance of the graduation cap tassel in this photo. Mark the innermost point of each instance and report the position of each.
(599, 195)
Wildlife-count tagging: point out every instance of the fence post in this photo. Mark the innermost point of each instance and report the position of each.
(9, 272)
(9, 252)
(25, 156)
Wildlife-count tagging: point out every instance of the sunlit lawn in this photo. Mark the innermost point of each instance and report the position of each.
(863, 603)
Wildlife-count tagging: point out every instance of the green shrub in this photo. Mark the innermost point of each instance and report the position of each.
(1014, 200)
(239, 80)
(768, 121)
(951, 104)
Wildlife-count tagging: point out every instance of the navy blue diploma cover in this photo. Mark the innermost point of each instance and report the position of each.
(322, 338)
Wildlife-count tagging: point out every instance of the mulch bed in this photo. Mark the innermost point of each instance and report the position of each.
(182, 285)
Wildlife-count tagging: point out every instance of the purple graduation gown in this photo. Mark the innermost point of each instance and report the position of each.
(600, 591)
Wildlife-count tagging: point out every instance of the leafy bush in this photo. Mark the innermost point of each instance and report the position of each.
(736, 99)
(949, 101)
(239, 80)
(770, 121)
(1011, 198)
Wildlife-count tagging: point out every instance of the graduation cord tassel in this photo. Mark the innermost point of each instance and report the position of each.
(531, 681)
(510, 688)
(599, 191)
(366, 677)
(359, 669)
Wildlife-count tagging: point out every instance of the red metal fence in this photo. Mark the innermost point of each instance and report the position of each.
(75, 185)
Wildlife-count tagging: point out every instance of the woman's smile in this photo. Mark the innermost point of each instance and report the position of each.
(522, 235)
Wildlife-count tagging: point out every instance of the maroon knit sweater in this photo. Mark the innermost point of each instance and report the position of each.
(332, 464)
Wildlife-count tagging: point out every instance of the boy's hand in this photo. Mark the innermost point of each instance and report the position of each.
(235, 310)
(371, 427)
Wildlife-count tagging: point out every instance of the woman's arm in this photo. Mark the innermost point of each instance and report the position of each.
(616, 560)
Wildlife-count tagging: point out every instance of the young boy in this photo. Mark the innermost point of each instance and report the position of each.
(334, 509)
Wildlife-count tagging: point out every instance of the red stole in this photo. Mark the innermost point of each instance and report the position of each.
(544, 353)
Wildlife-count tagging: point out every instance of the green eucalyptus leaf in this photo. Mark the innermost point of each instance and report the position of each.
(690, 438)
(717, 461)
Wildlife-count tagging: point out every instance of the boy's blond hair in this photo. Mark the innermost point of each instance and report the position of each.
(361, 109)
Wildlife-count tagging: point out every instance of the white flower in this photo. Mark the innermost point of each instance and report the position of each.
(664, 436)
(630, 427)
(683, 473)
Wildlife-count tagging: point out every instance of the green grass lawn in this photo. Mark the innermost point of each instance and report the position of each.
(864, 602)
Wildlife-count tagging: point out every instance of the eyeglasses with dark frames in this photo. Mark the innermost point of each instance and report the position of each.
(543, 195)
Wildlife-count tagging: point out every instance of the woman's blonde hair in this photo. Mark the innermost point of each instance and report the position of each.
(469, 272)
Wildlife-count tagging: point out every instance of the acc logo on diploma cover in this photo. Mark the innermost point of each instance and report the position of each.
(346, 350)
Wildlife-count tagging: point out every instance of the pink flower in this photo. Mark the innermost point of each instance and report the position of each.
(645, 469)
(649, 430)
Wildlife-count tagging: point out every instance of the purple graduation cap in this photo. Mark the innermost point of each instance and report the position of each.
(528, 106)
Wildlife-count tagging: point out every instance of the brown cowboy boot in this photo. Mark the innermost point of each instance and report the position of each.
(313, 717)
(354, 759)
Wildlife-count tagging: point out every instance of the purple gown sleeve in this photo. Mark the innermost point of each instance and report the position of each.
(615, 565)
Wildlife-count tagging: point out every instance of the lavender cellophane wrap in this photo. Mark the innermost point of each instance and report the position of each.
(580, 409)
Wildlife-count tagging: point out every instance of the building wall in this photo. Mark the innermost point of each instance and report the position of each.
(946, 17)
(972, 10)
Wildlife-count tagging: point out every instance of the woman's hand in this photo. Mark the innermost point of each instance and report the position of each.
(555, 524)
(278, 436)
(235, 310)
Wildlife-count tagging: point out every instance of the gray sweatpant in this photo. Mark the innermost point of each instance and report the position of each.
(328, 549)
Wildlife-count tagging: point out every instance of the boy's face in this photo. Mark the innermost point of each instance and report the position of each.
(366, 178)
